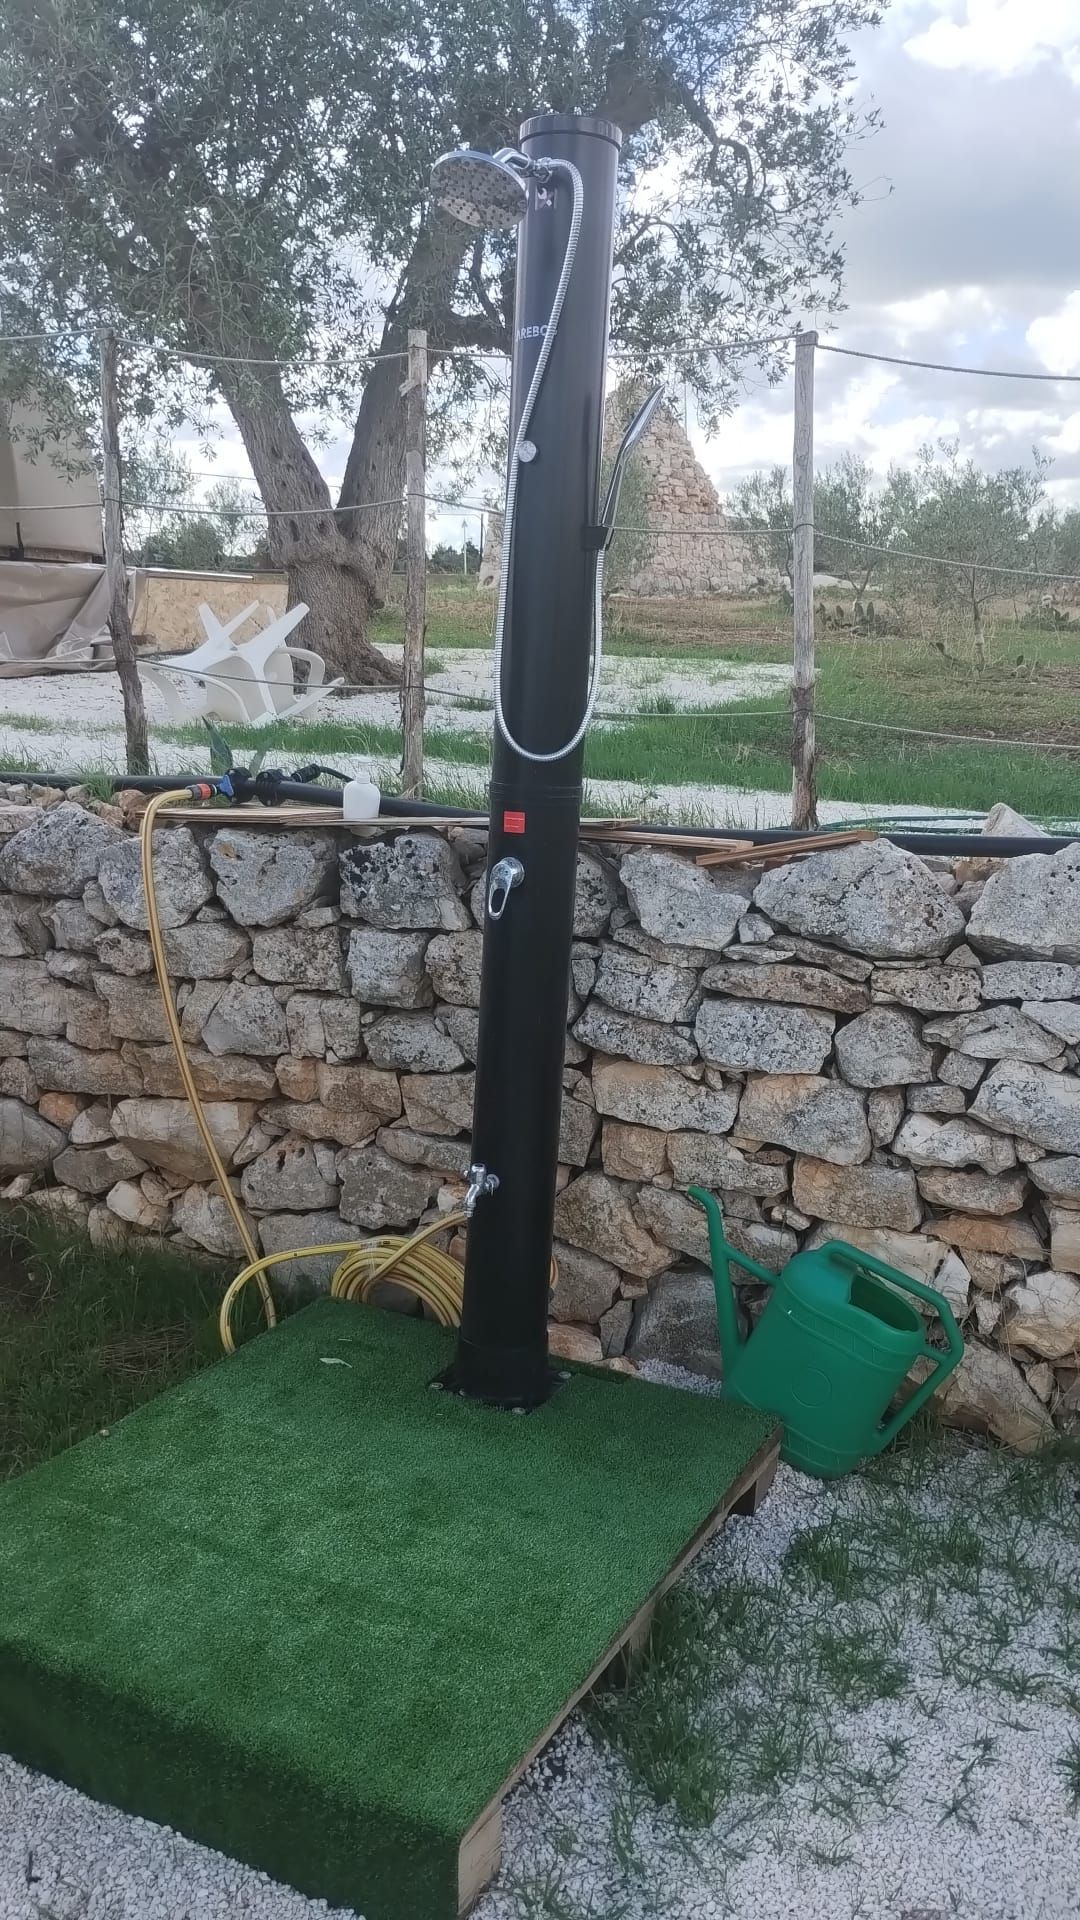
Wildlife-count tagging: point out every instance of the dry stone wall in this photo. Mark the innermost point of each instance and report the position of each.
(862, 1045)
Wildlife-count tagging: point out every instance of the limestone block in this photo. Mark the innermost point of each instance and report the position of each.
(596, 894)
(708, 1160)
(966, 1192)
(73, 929)
(995, 1033)
(284, 1232)
(578, 1344)
(265, 878)
(227, 1076)
(928, 1142)
(246, 1020)
(989, 1394)
(1030, 908)
(69, 1069)
(794, 986)
(413, 1043)
(57, 852)
(413, 880)
(871, 897)
(594, 1212)
(1012, 1235)
(935, 1098)
(302, 956)
(1043, 1315)
(181, 881)
(807, 1113)
(884, 1112)
(927, 989)
(680, 903)
(28, 1143)
(586, 1285)
(379, 1193)
(443, 1154)
(135, 1010)
(648, 1041)
(865, 1196)
(633, 1153)
(882, 1048)
(1029, 980)
(1058, 1178)
(287, 1177)
(1017, 1097)
(631, 983)
(164, 1132)
(30, 1000)
(439, 1102)
(677, 1323)
(202, 1214)
(453, 962)
(747, 1035)
(657, 1096)
(96, 1169)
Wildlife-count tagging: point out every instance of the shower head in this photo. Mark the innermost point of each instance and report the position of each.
(482, 189)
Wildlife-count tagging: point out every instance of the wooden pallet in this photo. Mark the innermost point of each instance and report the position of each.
(481, 1846)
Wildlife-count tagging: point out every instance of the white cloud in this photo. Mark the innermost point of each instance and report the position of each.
(948, 313)
(1001, 37)
(1067, 439)
(969, 260)
(1055, 337)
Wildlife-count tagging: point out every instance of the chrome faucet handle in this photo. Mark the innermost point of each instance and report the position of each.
(481, 1183)
(505, 875)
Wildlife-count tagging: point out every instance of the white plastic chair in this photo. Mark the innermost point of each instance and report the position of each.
(249, 683)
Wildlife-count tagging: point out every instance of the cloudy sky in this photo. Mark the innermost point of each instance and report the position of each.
(966, 248)
(972, 257)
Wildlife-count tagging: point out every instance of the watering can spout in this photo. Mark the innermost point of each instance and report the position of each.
(727, 1319)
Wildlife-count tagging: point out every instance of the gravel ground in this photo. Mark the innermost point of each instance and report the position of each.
(629, 685)
(954, 1799)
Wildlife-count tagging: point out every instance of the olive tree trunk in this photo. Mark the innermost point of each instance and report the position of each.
(308, 539)
(339, 557)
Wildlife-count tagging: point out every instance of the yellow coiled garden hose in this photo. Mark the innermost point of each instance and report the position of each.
(425, 1271)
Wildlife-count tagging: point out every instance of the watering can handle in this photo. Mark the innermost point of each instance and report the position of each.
(716, 1221)
(943, 1362)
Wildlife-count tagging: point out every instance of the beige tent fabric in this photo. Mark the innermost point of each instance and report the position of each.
(49, 501)
(51, 611)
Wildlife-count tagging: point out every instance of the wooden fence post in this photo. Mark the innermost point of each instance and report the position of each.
(138, 752)
(412, 679)
(803, 774)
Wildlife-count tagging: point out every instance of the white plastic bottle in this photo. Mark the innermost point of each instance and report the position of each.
(360, 800)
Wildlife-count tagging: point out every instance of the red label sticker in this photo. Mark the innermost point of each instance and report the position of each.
(513, 823)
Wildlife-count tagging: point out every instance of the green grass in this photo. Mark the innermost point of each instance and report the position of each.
(735, 748)
(1027, 686)
(1069, 1768)
(89, 1334)
(1023, 685)
(314, 1614)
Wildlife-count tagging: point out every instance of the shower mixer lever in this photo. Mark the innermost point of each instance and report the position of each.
(505, 875)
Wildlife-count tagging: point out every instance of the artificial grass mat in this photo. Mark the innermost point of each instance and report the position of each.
(314, 1614)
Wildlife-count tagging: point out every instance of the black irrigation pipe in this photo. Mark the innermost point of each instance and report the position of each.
(990, 846)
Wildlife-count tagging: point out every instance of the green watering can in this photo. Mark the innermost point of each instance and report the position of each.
(831, 1348)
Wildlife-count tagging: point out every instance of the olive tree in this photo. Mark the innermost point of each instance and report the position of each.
(241, 191)
(974, 536)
